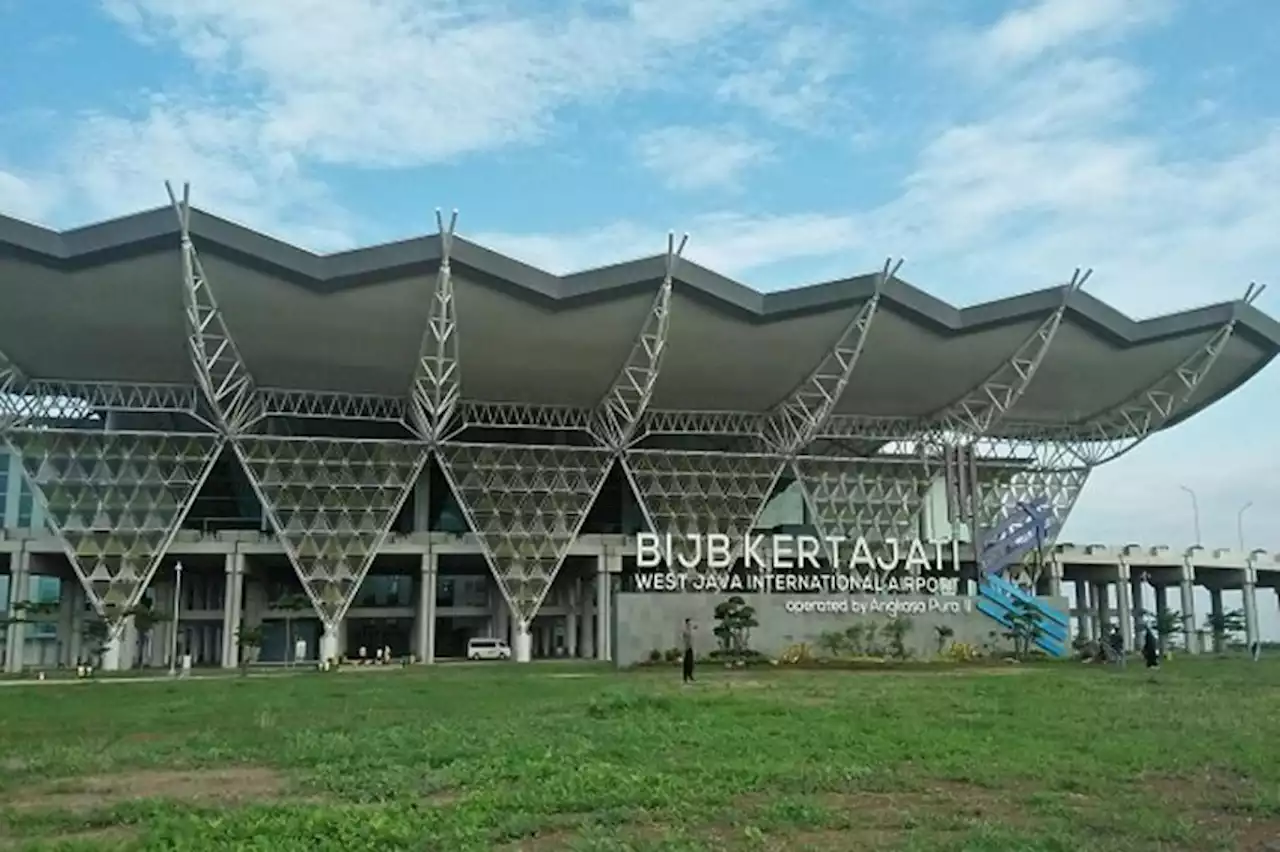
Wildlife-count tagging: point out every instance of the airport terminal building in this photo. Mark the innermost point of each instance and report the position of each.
(420, 443)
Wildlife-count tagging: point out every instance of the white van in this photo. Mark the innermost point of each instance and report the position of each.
(488, 649)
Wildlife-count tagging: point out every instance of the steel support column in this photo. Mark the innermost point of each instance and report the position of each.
(800, 418)
(434, 392)
(220, 370)
(618, 414)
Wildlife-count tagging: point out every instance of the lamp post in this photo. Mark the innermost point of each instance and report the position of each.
(1195, 512)
(177, 603)
(1240, 524)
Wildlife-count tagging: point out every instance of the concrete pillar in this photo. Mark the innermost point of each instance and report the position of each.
(1140, 615)
(330, 643)
(111, 653)
(1187, 589)
(1249, 591)
(603, 651)
(232, 616)
(1125, 605)
(571, 618)
(586, 633)
(422, 501)
(66, 622)
(1055, 578)
(524, 642)
(1216, 608)
(77, 595)
(19, 592)
(426, 625)
(1084, 618)
(1102, 606)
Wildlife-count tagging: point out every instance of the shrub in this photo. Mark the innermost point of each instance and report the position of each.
(655, 656)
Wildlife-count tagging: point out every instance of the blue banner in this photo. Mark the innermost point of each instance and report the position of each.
(1022, 532)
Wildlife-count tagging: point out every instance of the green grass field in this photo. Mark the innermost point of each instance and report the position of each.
(1056, 757)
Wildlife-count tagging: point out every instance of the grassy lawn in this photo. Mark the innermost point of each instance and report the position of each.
(1059, 757)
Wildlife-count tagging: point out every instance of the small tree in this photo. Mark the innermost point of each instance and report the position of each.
(832, 642)
(1024, 628)
(145, 620)
(733, 630)
(249, 640)
(943, 634)
(871, 639)
(1167, 624)
(94, 633)
(1225, 626)
(896, 630)
(854, 637)
(291, 605)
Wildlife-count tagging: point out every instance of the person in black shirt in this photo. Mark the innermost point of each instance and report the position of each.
(687, 641)
(1150, 651)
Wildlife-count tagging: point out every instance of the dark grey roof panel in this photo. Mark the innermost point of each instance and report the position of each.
(141, 233)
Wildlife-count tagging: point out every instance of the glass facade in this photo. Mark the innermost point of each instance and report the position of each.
(18, 507)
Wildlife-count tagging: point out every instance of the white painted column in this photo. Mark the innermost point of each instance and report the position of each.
(1249, 591)
(330, 643)
(426, 626)
(1124, 605)
(232, 616)
(16, 631)
(523, 641)
(1187, 589)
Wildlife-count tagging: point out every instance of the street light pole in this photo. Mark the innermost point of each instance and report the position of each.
(177, 604)
(1195, 513)
(1240, 524)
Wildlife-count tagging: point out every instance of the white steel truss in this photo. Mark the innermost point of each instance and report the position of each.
(329, 405)
(220, 370)
(1118, 430)
(331, 503)
(620, 411)
(697, 494)
(526, 505)
(503, 415)
(980, 409)
(10, 378)
(875, 499)
(800, 418)
(115, 500)
(434, 391)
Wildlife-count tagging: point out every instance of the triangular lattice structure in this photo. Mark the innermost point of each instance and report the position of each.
(115, 499)
(1059, 489)
(331, 502)
(526, 505)
(697, 494)
(862, 498)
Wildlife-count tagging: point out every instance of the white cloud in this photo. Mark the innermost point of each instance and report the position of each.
(1040, 29)
(795, 82)
(27, 198)
(690, 158)
(731, 244)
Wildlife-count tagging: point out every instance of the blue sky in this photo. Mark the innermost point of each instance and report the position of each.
(995, 145)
